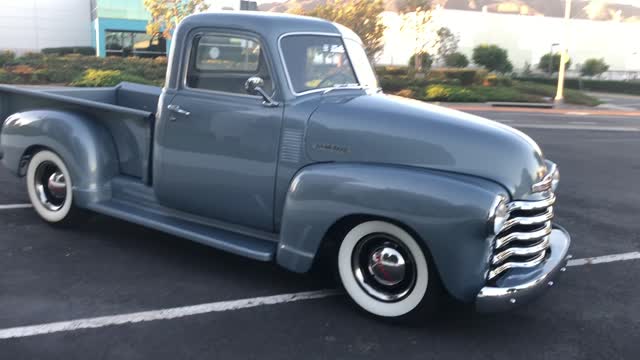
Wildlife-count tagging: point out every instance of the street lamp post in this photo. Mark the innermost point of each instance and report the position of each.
(563, 56)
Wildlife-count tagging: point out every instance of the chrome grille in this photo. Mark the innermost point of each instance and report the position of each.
(523, 241)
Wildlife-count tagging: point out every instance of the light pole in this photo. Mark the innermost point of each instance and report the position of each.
(563, 56)
(551, 58)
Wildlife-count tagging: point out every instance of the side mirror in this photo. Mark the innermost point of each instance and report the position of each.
(253, 86)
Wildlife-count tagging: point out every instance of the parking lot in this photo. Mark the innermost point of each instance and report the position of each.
(141, 284)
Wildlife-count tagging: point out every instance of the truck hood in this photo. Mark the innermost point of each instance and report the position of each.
(392, 130)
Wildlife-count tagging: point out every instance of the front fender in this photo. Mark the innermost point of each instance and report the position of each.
(86, 147)
(447, 211)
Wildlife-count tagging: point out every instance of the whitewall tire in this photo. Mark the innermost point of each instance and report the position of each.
(49, 185)
(385, 270)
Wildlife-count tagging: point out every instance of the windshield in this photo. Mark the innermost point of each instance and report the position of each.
(321, 61)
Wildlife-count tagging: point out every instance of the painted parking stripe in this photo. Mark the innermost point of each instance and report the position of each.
(179, 312)
(163, 314)
(15, 206)
(605, 259)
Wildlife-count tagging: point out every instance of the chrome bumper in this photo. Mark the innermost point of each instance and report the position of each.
(518, 286)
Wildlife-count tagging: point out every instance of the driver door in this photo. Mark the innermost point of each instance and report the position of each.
(216, 153)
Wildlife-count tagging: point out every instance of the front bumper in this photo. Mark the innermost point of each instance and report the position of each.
(519, 286)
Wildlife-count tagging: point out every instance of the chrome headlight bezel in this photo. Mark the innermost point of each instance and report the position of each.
(498, 215)
(555, 179)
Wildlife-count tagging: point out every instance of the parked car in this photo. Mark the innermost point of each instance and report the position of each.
(271, 140)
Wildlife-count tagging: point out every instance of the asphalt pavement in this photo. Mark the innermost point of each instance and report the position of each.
(107, 268)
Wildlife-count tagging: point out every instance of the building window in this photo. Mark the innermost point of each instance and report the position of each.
(134, 43)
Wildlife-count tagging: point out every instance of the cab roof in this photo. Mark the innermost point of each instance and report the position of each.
(268, 24)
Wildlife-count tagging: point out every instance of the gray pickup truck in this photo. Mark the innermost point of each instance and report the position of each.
(271, 140)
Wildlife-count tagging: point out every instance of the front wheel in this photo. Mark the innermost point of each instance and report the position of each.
(386, 272)
(50, 188)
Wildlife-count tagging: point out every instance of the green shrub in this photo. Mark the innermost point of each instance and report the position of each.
(6, 57)
(623, 87)
(464, 77)
(6, 77)
(497, 80)
(451, 93)
(97, 78)
(82, 50)
(426, 60)
(456, 60)
(571, 96)
(388, 70)
(492, 58)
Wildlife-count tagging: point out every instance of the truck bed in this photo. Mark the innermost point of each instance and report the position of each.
(126, 110)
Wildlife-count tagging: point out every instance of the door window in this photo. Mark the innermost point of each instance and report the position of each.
(220, 62)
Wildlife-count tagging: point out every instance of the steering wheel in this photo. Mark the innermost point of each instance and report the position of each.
(330, 77)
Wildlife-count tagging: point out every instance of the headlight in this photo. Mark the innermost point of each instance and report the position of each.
(498, 215)
(555, 179)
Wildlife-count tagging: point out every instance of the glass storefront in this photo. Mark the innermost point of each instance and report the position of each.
(134, 43)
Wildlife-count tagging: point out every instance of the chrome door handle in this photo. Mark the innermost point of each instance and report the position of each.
(177, 109)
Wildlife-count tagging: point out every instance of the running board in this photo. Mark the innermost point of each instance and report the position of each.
(239, 244)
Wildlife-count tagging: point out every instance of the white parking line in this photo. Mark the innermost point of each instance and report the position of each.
(178, 312)
(605, 259)
(15, 206)
(162, 314)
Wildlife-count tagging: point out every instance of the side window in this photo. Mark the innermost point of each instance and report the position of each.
(221, 62)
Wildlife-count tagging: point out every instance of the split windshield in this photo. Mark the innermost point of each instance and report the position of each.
(322, 61)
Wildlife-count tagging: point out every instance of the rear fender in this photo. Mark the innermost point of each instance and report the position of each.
(448, 213)
(86, 147)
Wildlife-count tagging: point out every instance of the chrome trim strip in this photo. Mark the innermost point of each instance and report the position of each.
(521, 251)
(532, 205)
(524, 236)
(284, 63)
(531, 220)
(511, 265)
(545, 183)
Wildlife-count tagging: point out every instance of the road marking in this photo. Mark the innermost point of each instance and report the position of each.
(162, 314)
(577, 127)
(179, 312)
(583, 122)
(15, 206)
(605, 259)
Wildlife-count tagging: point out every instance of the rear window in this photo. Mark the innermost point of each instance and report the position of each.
(227, 53)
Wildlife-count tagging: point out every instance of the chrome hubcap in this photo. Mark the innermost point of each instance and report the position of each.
(51, 186)
(384, 267)
(387, 266)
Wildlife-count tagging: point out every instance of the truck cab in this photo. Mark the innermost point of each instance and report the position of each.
(272, 140)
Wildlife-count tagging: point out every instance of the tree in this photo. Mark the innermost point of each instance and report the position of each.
(593, 67)
(447, 43)
(361, 16)
(457, 60)
(416, 15)
(425, 59)
(167, 14)
(550, 63)
(492, 58)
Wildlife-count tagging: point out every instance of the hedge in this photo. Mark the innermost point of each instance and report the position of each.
(624, 87)
(82, 50)
(95, 78)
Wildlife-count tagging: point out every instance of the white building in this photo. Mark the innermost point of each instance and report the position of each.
(31, 25)
(526, 38)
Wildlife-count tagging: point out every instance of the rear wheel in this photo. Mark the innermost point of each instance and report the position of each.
(50, 188)
(386, 272)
